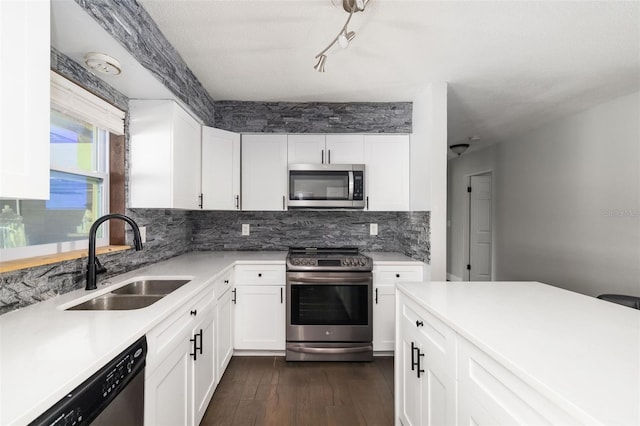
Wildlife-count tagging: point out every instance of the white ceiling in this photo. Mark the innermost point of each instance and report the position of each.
(511, 66)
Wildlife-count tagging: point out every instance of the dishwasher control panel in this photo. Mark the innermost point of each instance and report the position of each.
(89, 399)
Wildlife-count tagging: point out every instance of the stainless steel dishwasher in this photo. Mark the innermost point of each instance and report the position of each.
(112, 396)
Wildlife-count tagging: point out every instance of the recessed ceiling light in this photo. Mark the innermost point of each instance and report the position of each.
(474, 138)
(102, 63)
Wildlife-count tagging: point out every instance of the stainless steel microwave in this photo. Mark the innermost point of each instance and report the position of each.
(326, 186)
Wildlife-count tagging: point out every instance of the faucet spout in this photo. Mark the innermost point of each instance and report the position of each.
(93, 265)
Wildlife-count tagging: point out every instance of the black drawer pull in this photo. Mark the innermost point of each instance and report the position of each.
(413, 356)
(419, 323)
(397, 275)
(259, 274)
(194, 354)
(194, 312)
(376, 296)
(234, 296)
(420, 370)
(226, 281)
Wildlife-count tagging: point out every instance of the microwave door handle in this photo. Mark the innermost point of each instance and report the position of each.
(351, 185)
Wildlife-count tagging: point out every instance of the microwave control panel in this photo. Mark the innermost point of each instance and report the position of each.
(358, 185)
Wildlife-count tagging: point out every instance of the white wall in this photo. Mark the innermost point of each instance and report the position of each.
(429, 169)
(567, 200)
(460, 168)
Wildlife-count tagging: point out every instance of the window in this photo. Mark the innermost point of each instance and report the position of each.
(79, 181)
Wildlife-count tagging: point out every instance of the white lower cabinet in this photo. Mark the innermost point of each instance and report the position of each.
(385, 278)
(224, 326)
(259, 317)
(425, 368)
(259, 307)
(181, 365)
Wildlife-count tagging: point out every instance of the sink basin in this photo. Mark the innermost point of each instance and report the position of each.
(151, 287)
(116, 302)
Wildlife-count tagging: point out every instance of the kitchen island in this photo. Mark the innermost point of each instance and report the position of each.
(514, 353)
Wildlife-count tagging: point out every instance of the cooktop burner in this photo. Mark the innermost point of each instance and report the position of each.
(345, 259)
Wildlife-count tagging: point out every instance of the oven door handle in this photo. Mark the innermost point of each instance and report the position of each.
(349, 350)
(318, 280)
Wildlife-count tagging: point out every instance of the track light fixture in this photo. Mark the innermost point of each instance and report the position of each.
(344, 36)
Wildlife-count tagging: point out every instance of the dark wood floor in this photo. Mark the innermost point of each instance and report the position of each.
(271, 391)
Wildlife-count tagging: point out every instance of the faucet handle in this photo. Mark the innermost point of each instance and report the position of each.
(99, 268)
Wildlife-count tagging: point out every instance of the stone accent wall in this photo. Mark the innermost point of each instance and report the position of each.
(404, 232)
(130, 24)
(313, 117)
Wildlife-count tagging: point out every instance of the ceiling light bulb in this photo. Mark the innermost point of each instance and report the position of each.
(320, 65)
(345, 37)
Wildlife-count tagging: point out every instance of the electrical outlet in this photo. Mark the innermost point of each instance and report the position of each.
(245, 229)
(373, 229)
(143, 234)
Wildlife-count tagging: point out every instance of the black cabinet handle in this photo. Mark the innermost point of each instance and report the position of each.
(201, 200)
(413, 356)
(376, 296)
(194, 312)
(237, 202)
(367, 202)
(419, 323)
(200, 348)
(420, 355)
(328, 156)
(283, 206)
(226, 281)
(194, 354)
(234, 296)
(281, 296)
(397, 275)
(260, 274)
(322, 157)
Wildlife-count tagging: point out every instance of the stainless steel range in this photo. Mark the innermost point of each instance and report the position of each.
(329, 305)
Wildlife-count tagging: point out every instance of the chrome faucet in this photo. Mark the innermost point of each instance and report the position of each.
(93, 264)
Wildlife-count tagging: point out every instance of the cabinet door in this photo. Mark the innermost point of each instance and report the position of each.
(344, 149)
(224, 333)
(387, 172)
(220, 169)
(264, 172)
(186, 160)
(408, 387)
(203, 366)
(167, 399)
(384, 309)
(259, 317)
(24, 104)
(306, 149)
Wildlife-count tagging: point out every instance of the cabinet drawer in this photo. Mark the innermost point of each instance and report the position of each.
(260, 274)
(397, 273)
(440, 337)
(170, 332)
(224, 283)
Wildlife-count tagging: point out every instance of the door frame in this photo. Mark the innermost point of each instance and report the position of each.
(466, 181)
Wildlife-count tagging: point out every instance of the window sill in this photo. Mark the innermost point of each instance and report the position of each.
(14, 265)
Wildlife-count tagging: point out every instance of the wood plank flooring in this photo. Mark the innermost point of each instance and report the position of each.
(271, 391)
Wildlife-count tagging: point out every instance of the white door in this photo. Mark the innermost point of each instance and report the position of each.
(344, 149)
(480, 228)
(306, 149)
(220, 169)
(259, 317)
(264, 172)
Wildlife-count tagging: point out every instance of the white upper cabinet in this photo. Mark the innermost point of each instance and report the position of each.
(264, 172)
(24, 103)
(387, 172)
(165, 156)
(220, 169)
(325, 149)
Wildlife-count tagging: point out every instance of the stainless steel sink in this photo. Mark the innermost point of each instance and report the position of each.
(151, 287)
(116, 302)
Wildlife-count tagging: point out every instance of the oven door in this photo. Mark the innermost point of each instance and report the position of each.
(329, 307)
